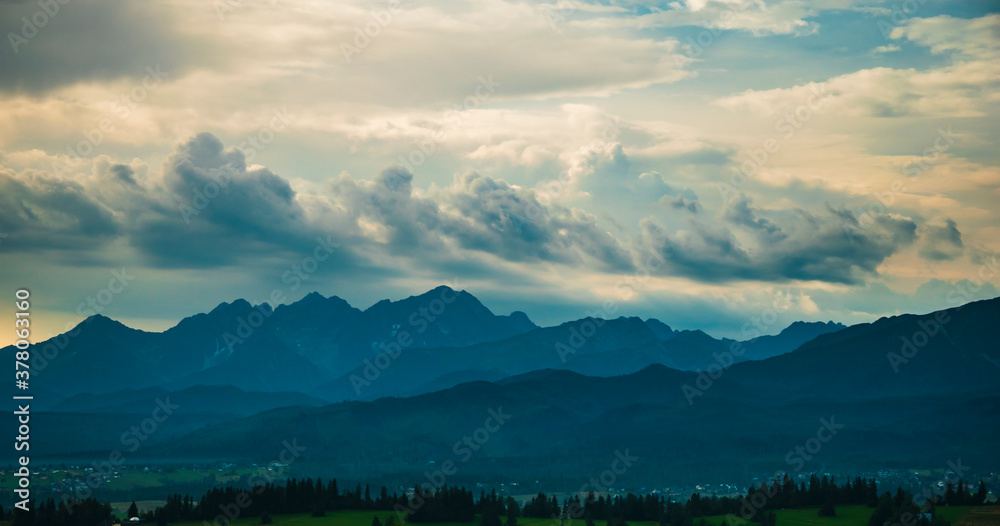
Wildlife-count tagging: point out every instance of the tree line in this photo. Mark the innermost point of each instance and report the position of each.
(456, 505)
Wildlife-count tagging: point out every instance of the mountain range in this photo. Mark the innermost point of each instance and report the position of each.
(390, 390)
(316, 345)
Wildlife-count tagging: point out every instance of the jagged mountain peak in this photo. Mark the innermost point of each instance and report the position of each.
(238, 304)
(660, 329)
(100, 322)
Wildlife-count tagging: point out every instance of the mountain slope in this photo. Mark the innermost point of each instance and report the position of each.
(957, 354)
(588, 346)
(207, 399)
(563, 422)
(789, 339)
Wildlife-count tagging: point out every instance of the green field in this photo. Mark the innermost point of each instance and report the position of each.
(340, 518)
(364, 518)
(980, 516)
(953, 513)
(846, 516)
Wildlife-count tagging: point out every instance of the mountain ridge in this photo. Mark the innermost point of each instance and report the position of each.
(320, 345)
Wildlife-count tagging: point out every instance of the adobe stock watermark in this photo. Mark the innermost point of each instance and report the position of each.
(610, 132)
(805, 452)
(132, 439)
(225, 7)
(934, 492)
(867, 215)
(929, 327)
(426, 148)
(557, 14)
(602, 483)
(363, 35)
(797, 458)
(626, 288)
(253, 144)
(32, 26)
(900, 14)
(707, 37)
(121, 108)
(229, 512)
(293, 277)
(787, 126)
(96, 304)
(93, 304)
(418, 320)
(463, 449)
(756, 327)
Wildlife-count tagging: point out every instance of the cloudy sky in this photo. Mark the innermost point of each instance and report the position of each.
(708, 163)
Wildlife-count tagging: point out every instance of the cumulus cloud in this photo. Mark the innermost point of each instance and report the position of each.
(792, 245)
(975, 38)
(513, 222)
(210, 209)
(216, 210)
(741, 212)
(890, 48)
(477, 213)
(941, 242)
(682, 203)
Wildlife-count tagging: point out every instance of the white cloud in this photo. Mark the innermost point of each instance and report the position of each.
(759, 18)
(891, 48)
(977, 38)
(956, 90)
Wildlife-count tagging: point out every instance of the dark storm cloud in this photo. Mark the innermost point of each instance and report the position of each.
(941, 242)
(92, 40)
(512, 223)
(801, 246)
(404, 222)
(741, 212)
(223, 211)
(42, 211)
(124, 173)
(705, 252)
(209, 209)
(477, 213)
(682, 203)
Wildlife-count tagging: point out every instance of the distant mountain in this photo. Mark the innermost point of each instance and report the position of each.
(204, 399)
(295, 347)
(609, 347)
(99, 421)
(789, 339)
(336, 336)
(103, 356)
(588, 346)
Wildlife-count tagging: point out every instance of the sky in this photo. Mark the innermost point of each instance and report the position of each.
(723, 165)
